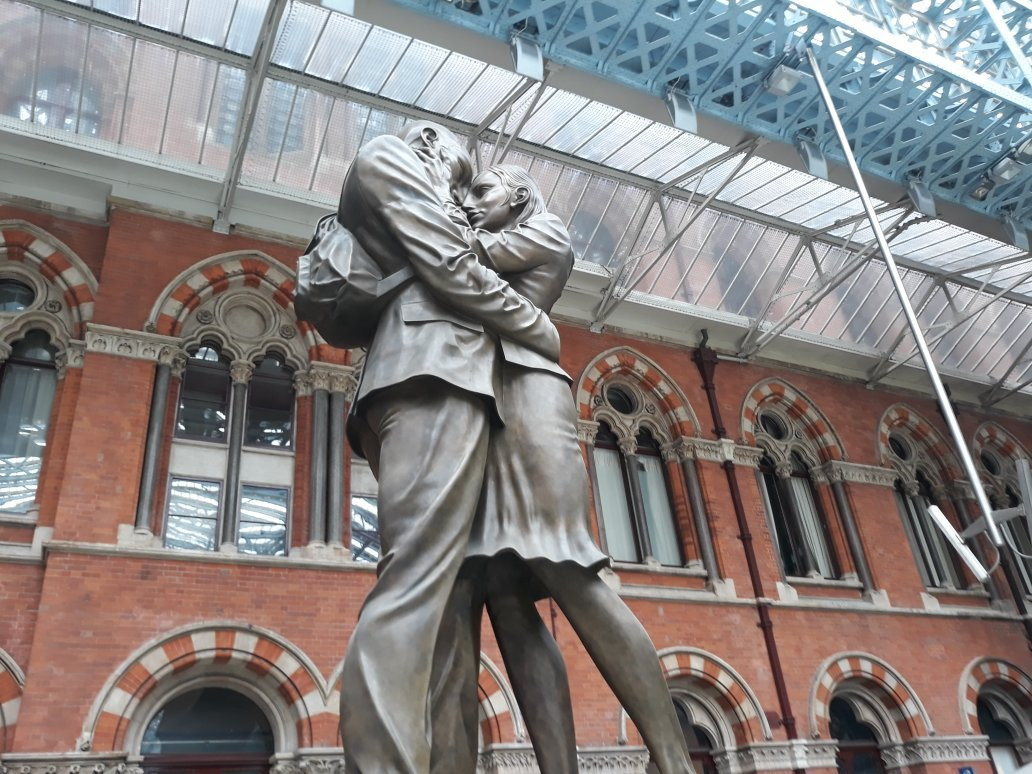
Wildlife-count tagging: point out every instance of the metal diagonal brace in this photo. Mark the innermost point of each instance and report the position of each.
(255, 79)
(908, 311)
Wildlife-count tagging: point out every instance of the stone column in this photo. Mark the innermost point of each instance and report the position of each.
(317, 461)
(240, 372)
(836, 477)
(342, 392)
(628, 447)
(687, 454)
(169, 362)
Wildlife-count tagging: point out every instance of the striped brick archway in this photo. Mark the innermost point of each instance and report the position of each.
(219, 274)
(777, 392)
(740, 706)
(12, 679)
(270, 664)
(675, 412)
(881, 681)
(922, 433)
(24, 243)
(990, 435)
(497, 703)
(982, 672)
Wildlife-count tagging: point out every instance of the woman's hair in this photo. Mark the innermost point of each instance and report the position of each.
(514, 177)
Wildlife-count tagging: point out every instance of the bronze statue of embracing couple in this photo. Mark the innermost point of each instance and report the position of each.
(469, 426)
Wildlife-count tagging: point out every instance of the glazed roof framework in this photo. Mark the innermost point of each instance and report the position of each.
(937, 90)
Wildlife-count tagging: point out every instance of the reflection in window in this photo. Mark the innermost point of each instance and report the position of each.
(270, 405)
(193, 514)
(204, 396)
(60, 98)
(263, 520)
(209, 728)
(615, 504)
(659, 518)
(28, 381)
(365, 539)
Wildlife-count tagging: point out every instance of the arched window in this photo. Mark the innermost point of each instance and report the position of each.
(800, 527)
(201, 514)
(28, 381)
(1000, 719)
(857, 742)
(210, 729)
(999, 472)
(914, 493)
(637, 518)
(697, 740)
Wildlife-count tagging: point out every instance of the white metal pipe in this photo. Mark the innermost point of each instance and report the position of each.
(908, 311)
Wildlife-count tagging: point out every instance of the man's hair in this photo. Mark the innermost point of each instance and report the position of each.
(445, 137)
(514, 177)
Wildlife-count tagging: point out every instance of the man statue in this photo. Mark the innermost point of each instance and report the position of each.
(421, 417)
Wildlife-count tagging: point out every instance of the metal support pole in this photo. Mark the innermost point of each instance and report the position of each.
(908, 311)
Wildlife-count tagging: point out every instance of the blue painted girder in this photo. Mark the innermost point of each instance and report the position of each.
(943, 111)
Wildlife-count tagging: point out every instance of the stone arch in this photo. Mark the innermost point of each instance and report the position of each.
(990, 435)
(992, 672)
(274, 669)
(880, 682)
(223, 273)
(778, 392)
(497, 701)
(12, 681)
(925, 436)
(73, 288)
(675, 415)
(717, 681)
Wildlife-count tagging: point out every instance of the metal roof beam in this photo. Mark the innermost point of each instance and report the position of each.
(257, 69)
(1007, 35)
(998, 392)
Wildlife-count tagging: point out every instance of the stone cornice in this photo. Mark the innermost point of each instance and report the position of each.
(937, 749)
(68, 763)
(778, 756)
(108, 340)
(718, 451)
(854, 473)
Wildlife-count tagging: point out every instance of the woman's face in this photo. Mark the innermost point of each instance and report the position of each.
(487, 204)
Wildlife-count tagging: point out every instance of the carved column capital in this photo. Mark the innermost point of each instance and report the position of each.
(587, 430)
(334, 378)
(783, 469)
(628, 446)
(71, 357)
(302, 384)
(669, 452)
(175, 358)
(5, 351)
(240, 371)
(910, 488)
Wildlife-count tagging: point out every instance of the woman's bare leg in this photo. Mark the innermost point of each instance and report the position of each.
(535, 666)
(624, 654)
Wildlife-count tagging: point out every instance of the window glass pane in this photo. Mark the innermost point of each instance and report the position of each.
(263, 520)
(208, 721)
(658, 517)
(270, 406)
(204, 398)
(193, 510)
(811, 528)
(777, 508)
(26, 396)
(15, 296)
(616, 517)
(365, 539)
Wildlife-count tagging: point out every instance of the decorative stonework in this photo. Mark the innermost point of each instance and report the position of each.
(333, 378)
(854, 473)
(936, 749)
(138, 345)
(931, 450)
(718, 451)
(586, 431)
(520, 759)
(987, 671)
(777, 756)
(73, 763)
(241, 371)
(779, 394)
(70, 357)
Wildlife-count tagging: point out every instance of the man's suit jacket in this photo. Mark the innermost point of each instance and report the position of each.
(438, 325)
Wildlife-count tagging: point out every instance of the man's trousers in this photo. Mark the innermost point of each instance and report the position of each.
(426, 442)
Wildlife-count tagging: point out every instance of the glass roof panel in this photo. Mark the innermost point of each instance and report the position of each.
(381, 50)
(449, 83)
(337, 47)
(417, 66)
(298, 34)
(480, 98)
(622, 130)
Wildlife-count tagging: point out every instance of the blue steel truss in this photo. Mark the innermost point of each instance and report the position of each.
(931, 90)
